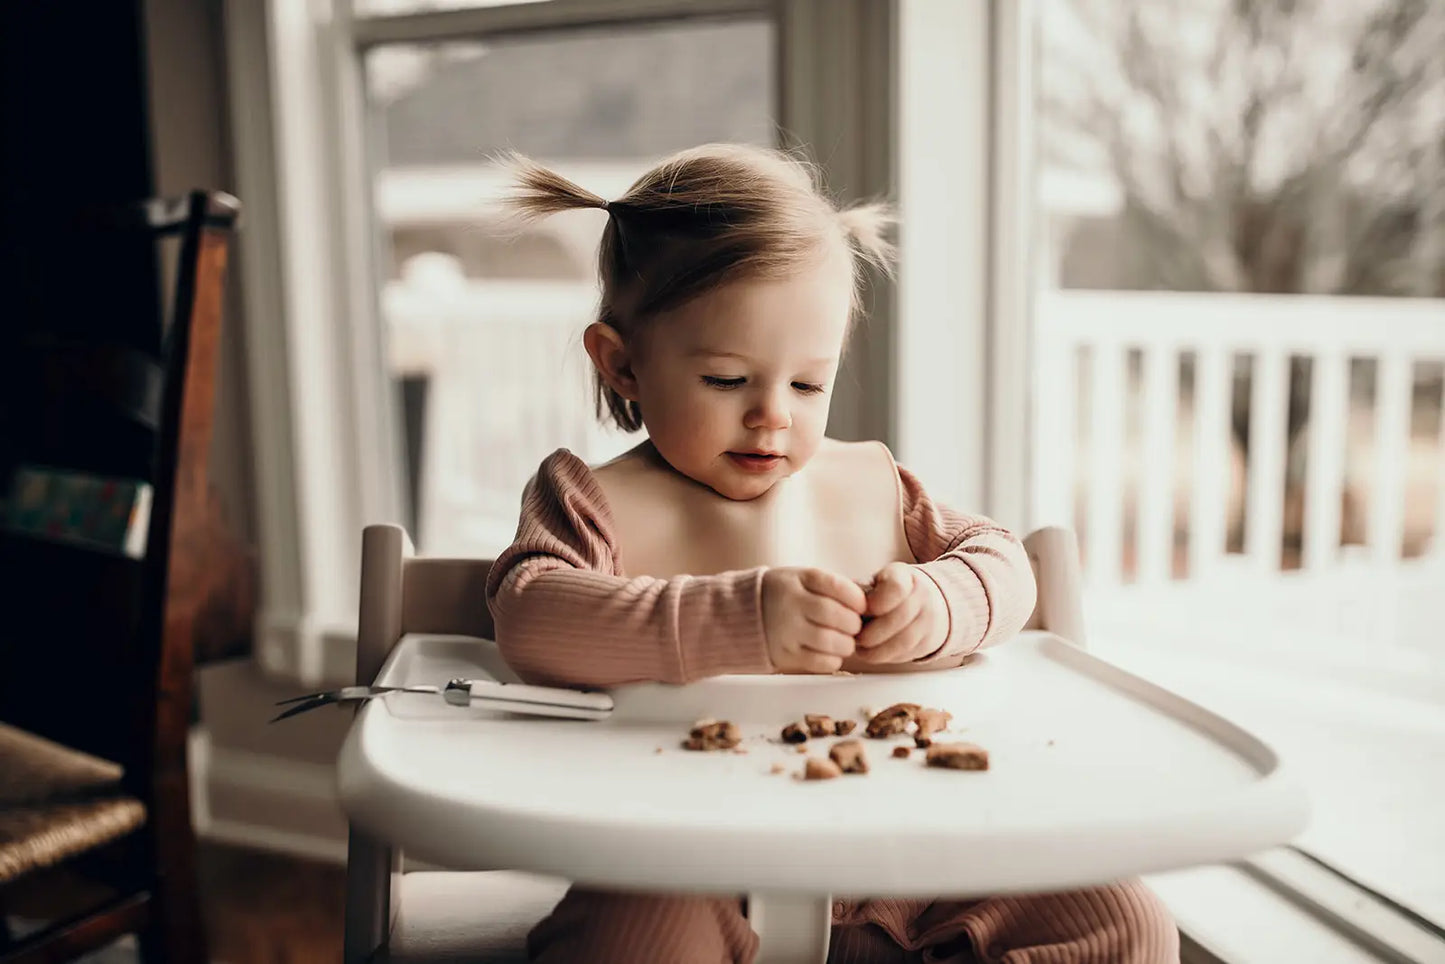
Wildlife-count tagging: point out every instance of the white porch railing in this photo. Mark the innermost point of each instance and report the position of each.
(1108, 447)
(509, 384)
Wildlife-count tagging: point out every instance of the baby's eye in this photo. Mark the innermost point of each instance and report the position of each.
(723, 383)
(808, 388)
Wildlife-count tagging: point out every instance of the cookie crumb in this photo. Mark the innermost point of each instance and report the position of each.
(849, 756)
(818, 724)
(902, 752)
(892, 720)
(820, 769)
(713, 735)
(844, 727)
(922, 742)
(658, 750)
(740, 750)
(776, 768)
(800, 749)
(794, 733)
(958, 756)
(1051, 743)
(931, 721)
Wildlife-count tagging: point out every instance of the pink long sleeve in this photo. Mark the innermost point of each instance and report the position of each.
(566, 615)
(980, 566)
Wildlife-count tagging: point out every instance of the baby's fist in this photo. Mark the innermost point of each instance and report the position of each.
(810, 619)
(909, 616)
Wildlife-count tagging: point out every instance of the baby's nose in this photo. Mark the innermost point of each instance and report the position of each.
(770, 412)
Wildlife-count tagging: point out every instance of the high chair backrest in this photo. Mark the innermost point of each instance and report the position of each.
(1054, 554)
(402, 593)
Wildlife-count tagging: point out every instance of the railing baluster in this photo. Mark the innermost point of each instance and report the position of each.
(1104, 529)
(1394, 388)
(1437, 536)
(1055, 423)
(1325, 469)
(1264, 519)
(1156, 464)
(1209, 487)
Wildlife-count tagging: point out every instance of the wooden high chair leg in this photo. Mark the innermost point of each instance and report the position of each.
(174, 933)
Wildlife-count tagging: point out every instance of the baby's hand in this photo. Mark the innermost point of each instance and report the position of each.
(909, 616)
(810, 617)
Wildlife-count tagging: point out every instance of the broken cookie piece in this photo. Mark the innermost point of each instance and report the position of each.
(720, 735)
(818, 724)
(794, 733)
(892, 720)
(849, 756)
(844, 727)
(957, 756)
(901, 752)
(820, 769)
(932, 721)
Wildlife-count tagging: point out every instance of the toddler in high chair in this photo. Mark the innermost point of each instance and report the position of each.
(738, 539)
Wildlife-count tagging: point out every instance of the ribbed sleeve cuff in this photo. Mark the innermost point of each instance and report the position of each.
(720, 626)
(968, 607)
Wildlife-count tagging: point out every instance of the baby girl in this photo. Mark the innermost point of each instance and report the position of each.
(738, 538)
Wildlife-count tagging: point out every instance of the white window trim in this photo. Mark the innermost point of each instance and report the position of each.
(298, 296)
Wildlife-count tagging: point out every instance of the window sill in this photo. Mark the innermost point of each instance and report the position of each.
(1232, 914)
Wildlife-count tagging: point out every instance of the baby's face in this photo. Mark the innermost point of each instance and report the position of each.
(735, 386)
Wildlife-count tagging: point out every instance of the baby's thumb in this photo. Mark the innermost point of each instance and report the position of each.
(889, 588)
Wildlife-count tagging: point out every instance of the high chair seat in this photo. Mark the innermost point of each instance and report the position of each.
(481, 918)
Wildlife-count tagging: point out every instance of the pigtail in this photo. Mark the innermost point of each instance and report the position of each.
(866, 227)
(538, 191)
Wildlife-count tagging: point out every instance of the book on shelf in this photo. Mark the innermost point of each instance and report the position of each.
(76, 507)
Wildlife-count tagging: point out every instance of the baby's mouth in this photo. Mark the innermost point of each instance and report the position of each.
(755, 461)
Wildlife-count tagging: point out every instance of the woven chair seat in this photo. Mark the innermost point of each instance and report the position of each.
(56, 802)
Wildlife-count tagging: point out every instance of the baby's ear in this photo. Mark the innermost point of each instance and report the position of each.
(611, 358)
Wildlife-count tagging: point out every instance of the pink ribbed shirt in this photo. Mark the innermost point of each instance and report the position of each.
(568, 614)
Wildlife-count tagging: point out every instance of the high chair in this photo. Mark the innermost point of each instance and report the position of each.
(436, 916)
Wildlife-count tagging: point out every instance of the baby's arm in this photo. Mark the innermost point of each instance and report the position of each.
(980, 566)
(564, 617)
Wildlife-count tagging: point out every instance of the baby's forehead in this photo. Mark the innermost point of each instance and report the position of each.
(755, 339)
(804, 319)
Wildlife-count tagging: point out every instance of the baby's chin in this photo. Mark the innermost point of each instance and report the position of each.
(737, 492)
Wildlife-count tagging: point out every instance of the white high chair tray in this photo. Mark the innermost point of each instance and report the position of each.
(1095, 774)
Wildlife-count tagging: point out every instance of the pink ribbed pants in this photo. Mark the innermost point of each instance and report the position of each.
(1121, 923)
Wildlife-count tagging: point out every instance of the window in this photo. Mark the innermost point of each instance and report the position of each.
(1239, 321)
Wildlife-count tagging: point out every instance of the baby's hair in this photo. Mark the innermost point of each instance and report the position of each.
(701, 219)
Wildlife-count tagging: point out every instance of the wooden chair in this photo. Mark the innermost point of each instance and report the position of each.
(95, 657)
(484, 916)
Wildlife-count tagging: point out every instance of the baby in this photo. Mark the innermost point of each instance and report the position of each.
(739, 539)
